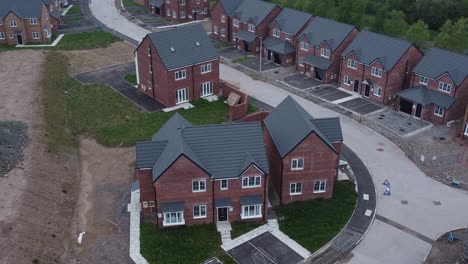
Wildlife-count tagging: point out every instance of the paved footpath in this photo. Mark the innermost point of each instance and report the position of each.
(418, 210)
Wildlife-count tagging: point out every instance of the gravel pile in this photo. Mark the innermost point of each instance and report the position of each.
(13, 139)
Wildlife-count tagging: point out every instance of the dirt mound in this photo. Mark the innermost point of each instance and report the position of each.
(13, 139)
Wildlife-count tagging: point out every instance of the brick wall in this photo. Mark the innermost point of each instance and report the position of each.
(147, 191)
(238, 111)
(175, 10)
(257, 116)
(274, 161)
(461, 98)
(216, 12)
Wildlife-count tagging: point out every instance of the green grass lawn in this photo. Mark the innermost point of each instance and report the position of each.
(219, 44)
(251, 108)
(72, 19)
(87, 40)
(242, 59)
(131, 78)
(240, 228)
(130, 3)
(182, 244)
(73, 109)
(314, 223)
(76, 9)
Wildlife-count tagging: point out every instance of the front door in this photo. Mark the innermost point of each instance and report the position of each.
(181, 96)
(269, 55)
(247, 46)
(367, 91)
(195, 15)
(418, 111)
(356, 86)
(20, 39)
(222, 214)
(319, 73)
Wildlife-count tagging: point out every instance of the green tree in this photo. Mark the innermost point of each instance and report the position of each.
(419, 34)
(395, 24)
(380, 11)
(453, 36)
(358, 11)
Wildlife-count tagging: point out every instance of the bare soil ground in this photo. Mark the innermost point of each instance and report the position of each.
(87, 60)
(443, 252)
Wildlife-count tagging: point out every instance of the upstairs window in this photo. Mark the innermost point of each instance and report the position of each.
(179, 75)
(304, 46)
(206, 68)
(423, 80)
(251, 181)
(325, 53)
(223, 18)
(352, 64)
(297, 164)
(33, 21)
(199, 185)
(13, 23)
(445, 87)
(224, 184)
(276, 33)
(251, 27)
(376, 72)
(235, 22)
(182, 2)
(287, 36)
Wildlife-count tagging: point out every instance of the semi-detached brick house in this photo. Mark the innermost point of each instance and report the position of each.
(320, 47)
(221, 19)
(203, 174)
(378, 66)
(249, 22)
(439, 90)
(27, 21)
(179, 10)
(303, 152)
(280, 45)
(177, 65)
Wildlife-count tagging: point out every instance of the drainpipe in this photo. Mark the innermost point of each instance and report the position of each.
(265, 197)
(362, 77)
(152, 73)
(385, 88)
(213, 200)
(193, 82)
(339, 71)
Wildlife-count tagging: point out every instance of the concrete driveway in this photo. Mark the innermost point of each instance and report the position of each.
(232, 53)
(300, 81)
(361, 106)
(113, 77)
(254, 65)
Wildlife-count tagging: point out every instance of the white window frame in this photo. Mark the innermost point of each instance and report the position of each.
(347, 80)
(325, 53)
(466, 129)
(33, 21)
(352, 64)
(182, 2)
(206, 68)
(179, 93)
(206, 89)
(152, 204)
(301, 62)
(174, 14)
(2, 35)
(295, 188)
(251, 27)
(198, 181)
(179, 218)
(255, 209)
(145, 204)
(223, 18)
(304, 46)
(376, 72)
(322, 186)
(11, 36)
(235, 22)
(150, 68)
(223, 32)
(180, 75)
(276, 33)
(378, 91)
(423, 80)
(149, 52)
(168, 12)
(221, 184)
(215, 30)
(295, 164)
(150, 85)
(198, 2)
(13, 23)
(247, 184)
(287, 36)
(439, 111)
(200, 215)
(35, 35)
(183, 14)
(445, 87)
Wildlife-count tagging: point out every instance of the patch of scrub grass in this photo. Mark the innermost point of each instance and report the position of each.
(314, 223)
(219, 44)
(242, 59)
(130, 3)
(73, 109)
(76, 9)
(251, 108)
(240, 228)
(193, 244)
(131, 78)
(87, 40)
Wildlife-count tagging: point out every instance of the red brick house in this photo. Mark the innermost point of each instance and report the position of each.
(177, 65)
(25, 21)
(303, 152)
(221, 19)
(180, 10)
(55, 10)
(249, 22)
(203, 174)
(378, 66)
(280, 45)
(439, 87)
(320, 47)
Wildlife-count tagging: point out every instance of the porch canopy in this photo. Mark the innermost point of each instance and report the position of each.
(156, 3)
(246, 36)
(251, 200)
(172, 207)
(318, 62)
(282, 47)
(223, 202)
(424, 96)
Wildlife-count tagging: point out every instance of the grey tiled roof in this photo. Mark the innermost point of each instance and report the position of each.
(148, 152)
(183, 46)
(251, 200)
(223, 151)
(156, 3)
(317, 61)
(230, 5)
(246, 35)
(436, 62)
(425, 96)
(279, 46)
(223, 202)
(291, 21)
(172, 207)
(253, 9)
(330, 127)
(369, 46)
(289, 124)
(56, 13)
(22, 8)
(326, 30)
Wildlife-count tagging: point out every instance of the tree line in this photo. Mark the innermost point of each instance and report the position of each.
(442, 23)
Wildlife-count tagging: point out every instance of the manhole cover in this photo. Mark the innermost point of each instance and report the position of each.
(380, 149)
(380, 118)
(276, 71)
(404, 202)
(409, 123)
(442, 138)
(437, 203)
(402, 130)
(382, 115)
